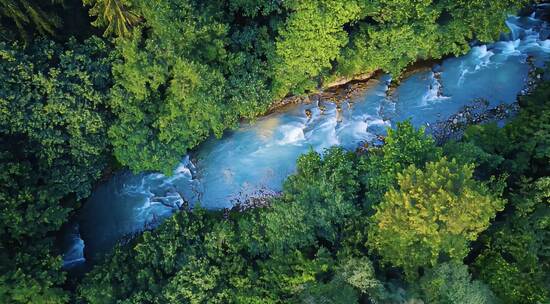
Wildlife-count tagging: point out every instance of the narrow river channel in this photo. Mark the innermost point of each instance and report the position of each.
(258, 156)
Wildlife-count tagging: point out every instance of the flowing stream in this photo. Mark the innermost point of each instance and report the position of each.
(258, 156)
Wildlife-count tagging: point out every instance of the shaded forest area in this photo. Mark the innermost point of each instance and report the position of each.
(91, 87)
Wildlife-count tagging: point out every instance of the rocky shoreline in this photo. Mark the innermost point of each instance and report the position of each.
(479, 112)
(452, 128)
(348, 88)
(336, 91)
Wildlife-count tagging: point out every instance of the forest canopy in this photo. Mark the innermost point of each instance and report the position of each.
(92, 87)
(433, 235)
(187, 70)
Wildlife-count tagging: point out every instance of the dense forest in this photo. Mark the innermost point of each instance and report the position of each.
(409, 221)
(88, 88)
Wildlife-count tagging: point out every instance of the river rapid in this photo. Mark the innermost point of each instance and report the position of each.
(257, 157)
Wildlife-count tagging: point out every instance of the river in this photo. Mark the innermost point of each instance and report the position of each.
(258, 156)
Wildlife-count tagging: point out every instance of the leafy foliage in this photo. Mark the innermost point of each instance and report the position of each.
(309, 41)
(516, 263)
(451, 283)
(116, 16)
(23, 13)
(183, 70)
(170, 89)
(52, 148)
(404, 31)
(433, 214)
(403, 147)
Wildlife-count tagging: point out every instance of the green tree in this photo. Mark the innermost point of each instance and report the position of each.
(403, 147)
(116, 16)
(140, 272)
(176, 84)
(53, 146)
(515, 262)
(53, 108)
(309, 41)
(450, 283)
(253, 8)
(432, 215)
(402, 32)
(360, 274)
(481, 19)
(166, 97)
(333, 292)
(24, 13)
(316, 203)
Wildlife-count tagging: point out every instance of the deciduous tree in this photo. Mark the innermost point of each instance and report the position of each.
(431, 216)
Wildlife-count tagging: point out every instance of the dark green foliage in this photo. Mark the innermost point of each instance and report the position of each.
(316, 205)
(333, 292)
(516, 263)
(320, 196)
(52, 148)
(450, 283)
(466, 152)
(182, 70)
(56, 112)
(253, 8)
(404, 146)
(26, 13)
(158, 256)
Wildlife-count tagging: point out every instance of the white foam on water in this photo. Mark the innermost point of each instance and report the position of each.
(75, 253)
(184, 168)
(515, 30)
(478, 58)
(434, 93)
(509, 47)
(545, 45)
(328, 133)
(292, 134)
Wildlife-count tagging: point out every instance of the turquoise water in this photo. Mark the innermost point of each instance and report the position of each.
(260, 155)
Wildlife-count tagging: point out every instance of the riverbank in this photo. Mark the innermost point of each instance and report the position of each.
(348, 88)
(479, 111)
